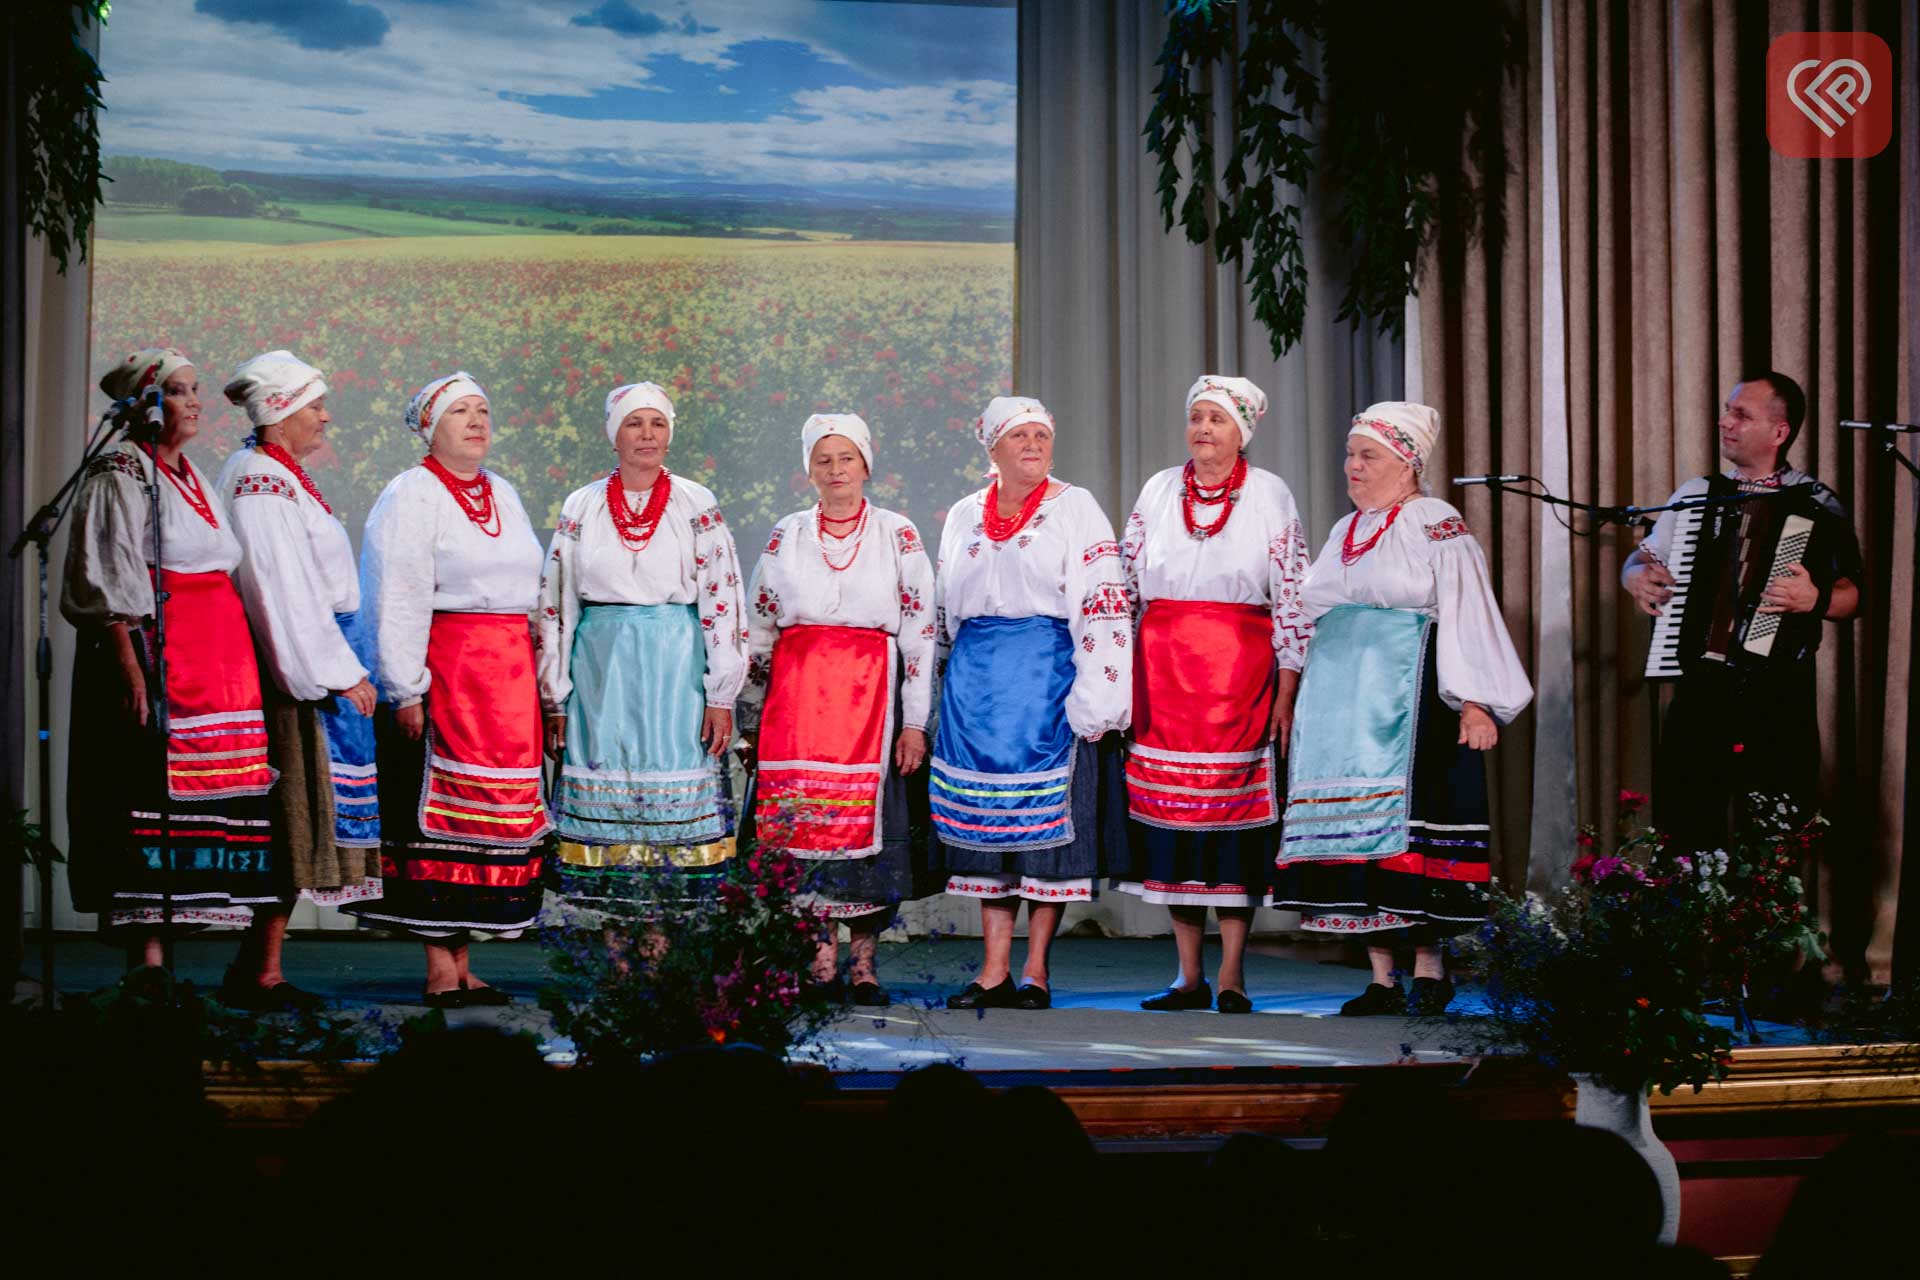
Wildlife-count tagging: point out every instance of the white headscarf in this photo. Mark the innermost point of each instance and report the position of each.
(1245, 403)
(821, 425)
(1004, 413)
(622, 401)
(1408, 429)
(430, 401)
(275, 385)
(142, 369)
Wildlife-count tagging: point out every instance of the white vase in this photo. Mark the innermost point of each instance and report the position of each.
(1600, 1106)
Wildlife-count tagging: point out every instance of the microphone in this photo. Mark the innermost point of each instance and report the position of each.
(156, 411)
(1466, 480)
(1902, 428)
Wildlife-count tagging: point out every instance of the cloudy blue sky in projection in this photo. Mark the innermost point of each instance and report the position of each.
(849, 96)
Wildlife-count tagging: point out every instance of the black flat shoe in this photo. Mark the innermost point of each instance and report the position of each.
(1230, 1001)
(1375, 1001)
(871, 995)
(485, 997)
(1032, 997)
(1429, 997)
(454, 998)
(281, 997)
(1173, 999)
(978, 997)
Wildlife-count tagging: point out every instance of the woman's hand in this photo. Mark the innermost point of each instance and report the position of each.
(361, 697)
(910, 750)
(556, 734)
(1280, 727)
(716, 730)
(412, 720)
(133, 678)
(1477, 728)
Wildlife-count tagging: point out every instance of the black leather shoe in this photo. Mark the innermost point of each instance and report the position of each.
(454, 998)
(979, 997)
(871, 995)
(1429, 997)
(484, 997)
(1032, 997)
(1375, 1001)
(1173, 999)
(1231, 1001)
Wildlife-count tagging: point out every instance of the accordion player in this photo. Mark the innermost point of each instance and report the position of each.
(1743, 715)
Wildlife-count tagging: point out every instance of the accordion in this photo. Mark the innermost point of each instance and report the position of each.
(1722, 558)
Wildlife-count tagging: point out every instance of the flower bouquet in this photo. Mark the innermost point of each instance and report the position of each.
(673, 960)
(1610, 976)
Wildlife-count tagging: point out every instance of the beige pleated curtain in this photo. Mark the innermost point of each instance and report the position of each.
(1689, 253)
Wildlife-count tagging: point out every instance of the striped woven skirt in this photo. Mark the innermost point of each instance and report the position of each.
(1201, 775)
(462, 812)
(215, 862)
(1386, 830)
(638, 792)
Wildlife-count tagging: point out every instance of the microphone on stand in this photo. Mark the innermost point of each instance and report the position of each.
(156, 413)
(1466, 480)
(1904, 428)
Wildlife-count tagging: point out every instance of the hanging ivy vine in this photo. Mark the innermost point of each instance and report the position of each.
(58, 96)
(1403, 92)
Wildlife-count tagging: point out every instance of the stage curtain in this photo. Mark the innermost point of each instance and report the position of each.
(1693, 253)
(1116, 318)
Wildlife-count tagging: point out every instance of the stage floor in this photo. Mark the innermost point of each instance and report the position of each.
(1096, 1024)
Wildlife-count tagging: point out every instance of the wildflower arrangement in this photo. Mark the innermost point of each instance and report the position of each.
(667, 962)
(1611, 976)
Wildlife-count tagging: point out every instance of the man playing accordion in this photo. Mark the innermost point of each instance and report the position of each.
(1748, 593)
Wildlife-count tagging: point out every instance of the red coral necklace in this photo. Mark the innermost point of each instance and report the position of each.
(636, 528)
(1227, 493)
(186, 483)
(285, 459)
(857, 535)
(1349, 553)
(475, 496)
(999, 528)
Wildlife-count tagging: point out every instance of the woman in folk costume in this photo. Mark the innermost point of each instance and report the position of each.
(302, 592)
(215, 865)
(642, 653)
(840, 652)
(450, 572)
(1215, 556)
(1026, 793)
(1409, 676)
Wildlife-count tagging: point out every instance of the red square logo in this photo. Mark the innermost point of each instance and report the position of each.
(1829, 95)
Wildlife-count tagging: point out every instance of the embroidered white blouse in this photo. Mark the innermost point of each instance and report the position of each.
(297, 572)
(1259, 558)
(689, 560)
(1429, 563)
(888, 585)
(1063, 564)
(106, 577)
(421, 555)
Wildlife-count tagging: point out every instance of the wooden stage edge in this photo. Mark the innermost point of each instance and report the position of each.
(1824, 1088)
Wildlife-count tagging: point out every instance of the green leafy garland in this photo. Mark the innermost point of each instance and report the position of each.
(59, 100)
(1405, 83)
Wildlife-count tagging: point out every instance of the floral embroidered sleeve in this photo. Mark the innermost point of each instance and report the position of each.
(1288, 559)
(918, 636)
(396, 587)
(716, 573)
(287, 603)
(558, 613)
(1132, 547)
(763, 629)
(1100, 621)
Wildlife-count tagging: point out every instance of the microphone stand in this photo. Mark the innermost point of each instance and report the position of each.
(157, 695)
(39, 533)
